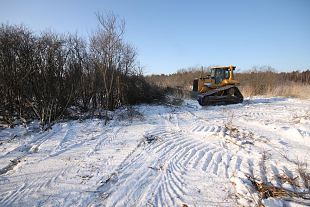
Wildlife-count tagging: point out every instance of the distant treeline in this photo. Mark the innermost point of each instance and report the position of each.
(265, 81)
(43, 75)
(296, 76)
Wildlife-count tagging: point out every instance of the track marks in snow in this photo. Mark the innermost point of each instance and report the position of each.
(158, 169)
(31, 187)
(208, 129)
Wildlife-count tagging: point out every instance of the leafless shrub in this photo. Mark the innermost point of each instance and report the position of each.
(284, 178)
(262, 163)
(267, 190)
(304, 174)
(232, 130)
(285, 155)
(234, 134)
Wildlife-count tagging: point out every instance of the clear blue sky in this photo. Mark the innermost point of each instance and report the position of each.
(170, 35)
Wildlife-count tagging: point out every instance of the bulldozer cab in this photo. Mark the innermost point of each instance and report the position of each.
(218, 74)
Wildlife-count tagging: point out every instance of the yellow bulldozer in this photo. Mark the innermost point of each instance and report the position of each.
(218, 88)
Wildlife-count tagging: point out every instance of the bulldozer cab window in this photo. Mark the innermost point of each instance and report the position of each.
(227, 74)
(220, 75)
(213, 73)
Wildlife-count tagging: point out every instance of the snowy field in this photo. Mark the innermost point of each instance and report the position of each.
(165, 156)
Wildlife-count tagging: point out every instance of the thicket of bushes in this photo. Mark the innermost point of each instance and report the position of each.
(43, 75)
(257, 81)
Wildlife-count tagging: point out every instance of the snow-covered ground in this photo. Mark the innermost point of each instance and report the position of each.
(171, 156)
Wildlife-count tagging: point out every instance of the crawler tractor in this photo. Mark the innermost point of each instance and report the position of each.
(218, 88)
